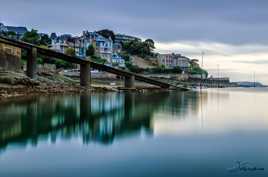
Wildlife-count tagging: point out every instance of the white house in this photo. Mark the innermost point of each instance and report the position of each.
(103, 46)
(60, 44)
(118, 60)
(174, 60)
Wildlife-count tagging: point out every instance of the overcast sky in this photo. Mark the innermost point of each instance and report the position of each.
(232, 33)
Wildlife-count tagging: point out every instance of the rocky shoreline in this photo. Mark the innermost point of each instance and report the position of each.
(14, 84)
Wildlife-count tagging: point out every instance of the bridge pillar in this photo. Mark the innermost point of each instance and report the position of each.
(129, 81)
(85, 75)
(31, 63)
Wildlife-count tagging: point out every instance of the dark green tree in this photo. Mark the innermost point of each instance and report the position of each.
(90, 51)
(31, 37)
(149, 45)
(142, 49)
(45, 40)
(11, 34)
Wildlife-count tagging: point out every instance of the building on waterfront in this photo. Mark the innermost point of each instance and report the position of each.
(174, 60)
(61, 43)
(117, 60)
(19, 31)
(102, 45)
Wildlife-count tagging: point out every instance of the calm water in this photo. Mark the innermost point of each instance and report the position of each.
(126, 134)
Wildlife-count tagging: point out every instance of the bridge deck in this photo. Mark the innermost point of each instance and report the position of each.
(76, 60)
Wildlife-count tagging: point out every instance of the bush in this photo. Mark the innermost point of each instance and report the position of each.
(98, 59)
(63, 64)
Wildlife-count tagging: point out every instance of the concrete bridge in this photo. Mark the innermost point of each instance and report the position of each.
(85, 65)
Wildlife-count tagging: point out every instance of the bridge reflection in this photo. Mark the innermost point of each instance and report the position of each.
(98, 118)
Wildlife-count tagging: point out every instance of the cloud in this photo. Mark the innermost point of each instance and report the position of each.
(233, 34)
(257, 62)
(232, 22)
(210, 48)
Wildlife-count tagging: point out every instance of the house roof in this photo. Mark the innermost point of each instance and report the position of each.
(18, 30)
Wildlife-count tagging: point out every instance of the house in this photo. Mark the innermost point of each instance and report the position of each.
(182, 62)
(19, 31)
(117, 60)
(103, 46)
(174, 60)
(61, 43)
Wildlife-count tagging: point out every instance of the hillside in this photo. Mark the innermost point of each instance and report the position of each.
(144, 63)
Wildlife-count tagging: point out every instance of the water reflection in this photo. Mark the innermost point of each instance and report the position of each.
(127, 134)
(94, 118)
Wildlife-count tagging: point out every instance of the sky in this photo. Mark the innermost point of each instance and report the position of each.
(233, 34)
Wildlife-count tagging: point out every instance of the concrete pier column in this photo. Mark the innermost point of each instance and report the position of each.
(31, 63)
(129, 81)
(85, 75)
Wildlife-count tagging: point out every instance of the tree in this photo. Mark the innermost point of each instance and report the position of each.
(11, 34)
(196, 69)
(107, 33)
(149, 46)
(70, 52)
(90, 51)
(45, 40)
(142, 49)
(53, 36)
(150, 43)
(31, 37)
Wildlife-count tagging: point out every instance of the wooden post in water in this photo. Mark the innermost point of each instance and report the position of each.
(85, 75)
(129, 81)
(31, 63)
